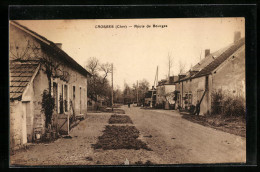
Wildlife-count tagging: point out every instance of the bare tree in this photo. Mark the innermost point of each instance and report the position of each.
(98, 84)
(118, 95)
(106, 68)
(143, 87)
(181, 67)
(170, 64)
(92, 65)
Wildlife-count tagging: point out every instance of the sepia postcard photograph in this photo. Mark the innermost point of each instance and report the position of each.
(140, 92)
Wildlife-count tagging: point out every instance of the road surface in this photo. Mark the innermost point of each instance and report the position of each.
(177, 140)
(173, 140)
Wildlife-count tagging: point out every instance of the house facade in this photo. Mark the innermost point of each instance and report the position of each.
(31, 57)
(222, 71)
(150, 97)
(165, 93)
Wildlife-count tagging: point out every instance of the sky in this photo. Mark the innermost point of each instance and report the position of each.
(137, 51)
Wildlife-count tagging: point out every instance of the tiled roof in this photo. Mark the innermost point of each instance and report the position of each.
(209, 63)
(20, 76)
(204, 62)
(220, 59)
(208, 59)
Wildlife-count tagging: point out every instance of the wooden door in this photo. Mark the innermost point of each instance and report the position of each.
(80, 100)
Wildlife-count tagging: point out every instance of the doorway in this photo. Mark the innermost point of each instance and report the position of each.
(80, 100)
(27, 122)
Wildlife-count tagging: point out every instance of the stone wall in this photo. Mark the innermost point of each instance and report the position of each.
(21, 41)
(22, 45)
(40, 83)
(16, 126)
(230, 77)
(21, 119)
(161, 91)
(194, 89)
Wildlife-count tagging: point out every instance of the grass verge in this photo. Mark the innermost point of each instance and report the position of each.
(233, 125)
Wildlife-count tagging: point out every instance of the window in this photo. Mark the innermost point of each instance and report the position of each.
(80, 99)
(190, 99)
(61, 100)
(66, 98)
(55, 96)
(74, 91)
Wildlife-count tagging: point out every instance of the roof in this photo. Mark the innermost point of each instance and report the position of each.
(20, 76)
(208, 59)
(167, 81)
(63, 56)
(209, 64)
(220, 59)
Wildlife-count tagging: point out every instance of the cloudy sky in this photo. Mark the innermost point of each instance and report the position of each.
(136, 52)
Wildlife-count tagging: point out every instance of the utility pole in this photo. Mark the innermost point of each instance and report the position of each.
(137, 92)
(156, 76)
(200, 54)
(112, 99)
(170, 65)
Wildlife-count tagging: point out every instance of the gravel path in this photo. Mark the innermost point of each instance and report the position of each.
(173, 140)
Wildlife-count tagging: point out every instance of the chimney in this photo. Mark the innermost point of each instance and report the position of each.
(237, 36)
(207, 52)
(171, 80)
(59, 45)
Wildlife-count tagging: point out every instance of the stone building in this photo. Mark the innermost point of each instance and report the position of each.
(150, 97)
(165, 93)
(30, 54)
(222, 70)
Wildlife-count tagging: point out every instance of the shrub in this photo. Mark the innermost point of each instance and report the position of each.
(217, 100)
(227, 105)
(48, 104)
(234, 106)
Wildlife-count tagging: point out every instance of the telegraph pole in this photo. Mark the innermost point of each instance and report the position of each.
(112, 99)
(137, 92)
(156, 76)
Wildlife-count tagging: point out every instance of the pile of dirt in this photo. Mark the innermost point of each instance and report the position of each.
(118, 111)
(120, 137)
(120, 119)
(233, 125)
(106, 110)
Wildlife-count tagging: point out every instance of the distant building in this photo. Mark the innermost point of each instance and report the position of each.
(222, 70)
(28, 80)
(150, 97)
(165, 93)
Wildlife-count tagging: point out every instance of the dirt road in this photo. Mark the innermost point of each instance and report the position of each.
(173, 140)
(176, 140)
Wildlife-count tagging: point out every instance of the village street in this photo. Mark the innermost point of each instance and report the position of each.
(173, 140)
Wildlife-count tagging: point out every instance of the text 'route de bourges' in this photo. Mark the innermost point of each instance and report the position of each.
(129, 26)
